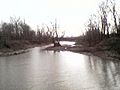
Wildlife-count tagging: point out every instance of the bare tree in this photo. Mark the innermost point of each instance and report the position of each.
(104, 11)
(92, 35)
(56, 35)
(114, 13)
(15, 21)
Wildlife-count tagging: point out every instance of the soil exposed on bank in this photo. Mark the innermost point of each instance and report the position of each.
(18, 47)
(102, 53)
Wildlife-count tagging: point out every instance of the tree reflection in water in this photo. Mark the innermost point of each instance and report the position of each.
(106, 72)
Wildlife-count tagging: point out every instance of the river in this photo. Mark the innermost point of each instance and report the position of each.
(64, 70)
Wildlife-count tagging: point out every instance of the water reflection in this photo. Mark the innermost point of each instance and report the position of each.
(107, 72)
(46, 70)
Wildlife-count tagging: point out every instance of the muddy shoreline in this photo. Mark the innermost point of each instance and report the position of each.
(12, 51)
(102, 53)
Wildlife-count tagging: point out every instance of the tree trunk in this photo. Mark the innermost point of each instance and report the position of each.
(56, 43)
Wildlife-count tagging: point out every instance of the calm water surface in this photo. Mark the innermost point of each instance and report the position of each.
(48, 70)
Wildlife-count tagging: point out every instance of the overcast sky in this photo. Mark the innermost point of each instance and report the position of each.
(71, 15)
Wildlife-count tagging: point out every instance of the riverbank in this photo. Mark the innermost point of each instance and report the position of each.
(100, 52)
(14, 51)
(108, 49)
(19, 49)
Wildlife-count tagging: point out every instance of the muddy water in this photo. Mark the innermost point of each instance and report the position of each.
(48, 70)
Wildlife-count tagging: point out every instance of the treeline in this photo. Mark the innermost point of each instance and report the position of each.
(103, 25)
(18, 31)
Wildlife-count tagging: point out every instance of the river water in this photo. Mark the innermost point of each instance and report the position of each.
(49, 70)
